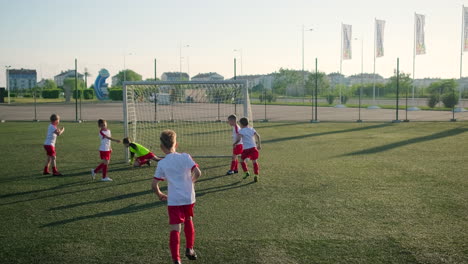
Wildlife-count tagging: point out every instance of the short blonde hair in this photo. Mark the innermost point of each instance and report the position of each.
(168, 138)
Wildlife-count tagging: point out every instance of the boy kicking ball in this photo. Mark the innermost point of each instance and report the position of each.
(180, 172)
(251, 140)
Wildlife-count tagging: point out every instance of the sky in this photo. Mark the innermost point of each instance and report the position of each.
(264, 36)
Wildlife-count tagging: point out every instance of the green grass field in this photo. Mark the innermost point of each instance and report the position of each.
(329, 193)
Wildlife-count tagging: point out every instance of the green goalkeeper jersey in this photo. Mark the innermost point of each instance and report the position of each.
(138, 150)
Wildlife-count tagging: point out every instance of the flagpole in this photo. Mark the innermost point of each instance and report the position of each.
(374, 106)
(340, 105)
(414, 108)
(460, 108)
(341, 61)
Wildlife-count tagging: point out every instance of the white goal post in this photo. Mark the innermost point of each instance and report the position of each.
(196, 110)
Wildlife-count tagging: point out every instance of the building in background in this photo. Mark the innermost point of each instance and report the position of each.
(66, 74)
(175, 76)
(21, 79)
(210, 76)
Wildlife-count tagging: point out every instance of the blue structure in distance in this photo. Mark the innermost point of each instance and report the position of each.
(100, 85)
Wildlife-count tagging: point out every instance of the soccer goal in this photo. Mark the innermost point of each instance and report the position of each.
(196, 110)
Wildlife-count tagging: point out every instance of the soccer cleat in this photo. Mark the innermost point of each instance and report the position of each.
(93, 174)
(256, 178)
(236, 171)
(191, 254)
(230, 172)
(247, 174)
(106, 179)
(177, 262)
(148, 163)
(57, 174)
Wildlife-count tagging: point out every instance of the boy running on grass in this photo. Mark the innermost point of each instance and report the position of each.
(49, 145)
(251, 140)
(105, 150)
(237, 149)
(143, 155)
(181, 172)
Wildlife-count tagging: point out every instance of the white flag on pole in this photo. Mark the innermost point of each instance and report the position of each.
(419, 27)
(379, 37)
(347, 40)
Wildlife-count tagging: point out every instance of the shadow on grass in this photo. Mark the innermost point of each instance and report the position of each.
(104, 185)
(223, 188)
(443, 134)
(325, 133)
(111, 199)
(126, 210)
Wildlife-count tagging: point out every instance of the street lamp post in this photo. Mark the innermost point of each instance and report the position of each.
(362, 77)
(241, 60)
(180, 60)
(303, 73)
(7, 81)
(125, 67)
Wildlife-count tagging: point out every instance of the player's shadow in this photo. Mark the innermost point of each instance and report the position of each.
(227, 187)
(325, 133)
(133, 208)
(106, 200)
(439, 135)
(103, 186)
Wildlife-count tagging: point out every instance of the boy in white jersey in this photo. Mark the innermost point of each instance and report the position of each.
(181, 172)
(105, 150)
(49, 145)
(251, 141)
(237, 149)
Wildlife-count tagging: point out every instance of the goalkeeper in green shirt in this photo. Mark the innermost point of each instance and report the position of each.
(143, 155)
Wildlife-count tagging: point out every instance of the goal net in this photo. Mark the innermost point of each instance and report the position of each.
(197, 111)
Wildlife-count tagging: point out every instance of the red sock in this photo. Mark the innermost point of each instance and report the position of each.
(236, 164)
(174, 244)
(104, 171)
(244, 166)
(98, 168)
(256, 168)
(233, 165)
(189, 231)
(54, 170)
(46, 169)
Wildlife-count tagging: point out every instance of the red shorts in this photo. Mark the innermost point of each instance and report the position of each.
(251, 153)
(237, 150)
(50, 150)
(105, 155)
(146, 157)
(178, 214)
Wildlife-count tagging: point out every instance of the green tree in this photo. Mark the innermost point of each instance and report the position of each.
(322, 82)
(405, 84)
(444, 90)
(49, 85)
(286, 78)
(130, 76)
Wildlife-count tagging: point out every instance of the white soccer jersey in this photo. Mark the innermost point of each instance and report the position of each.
(247, 134)
(105, 142)
(51, 135)
(235, 132)
(176, 168)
